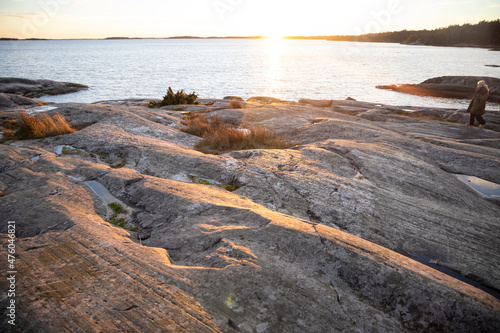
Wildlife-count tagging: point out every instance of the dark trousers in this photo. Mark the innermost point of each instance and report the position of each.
(478, 117)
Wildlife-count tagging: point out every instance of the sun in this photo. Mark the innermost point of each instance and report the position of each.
(274, 37)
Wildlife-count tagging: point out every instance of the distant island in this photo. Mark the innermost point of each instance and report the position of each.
(191, 37)
(482, 34)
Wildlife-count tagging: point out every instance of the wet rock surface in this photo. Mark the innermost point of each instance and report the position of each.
(316, 238)
(461, 87)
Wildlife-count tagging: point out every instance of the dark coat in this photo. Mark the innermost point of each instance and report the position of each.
(478, 103)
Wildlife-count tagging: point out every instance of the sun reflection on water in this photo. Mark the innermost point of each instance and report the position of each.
(274, 72)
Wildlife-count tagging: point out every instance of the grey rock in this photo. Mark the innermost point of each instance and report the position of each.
(314, 102)
(462, 87)
(318, 238)
(37, 88)
(5, 101)
(235, 98)
(264, 99)
(12, 100)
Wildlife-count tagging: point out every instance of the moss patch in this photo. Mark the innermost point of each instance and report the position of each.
(117, 208)
(228, 187)
(117, 218)
(74, 151)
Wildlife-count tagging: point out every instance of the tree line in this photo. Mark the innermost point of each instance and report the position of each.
(483, 33)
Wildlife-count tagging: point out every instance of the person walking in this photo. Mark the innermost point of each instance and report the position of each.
(478, 104)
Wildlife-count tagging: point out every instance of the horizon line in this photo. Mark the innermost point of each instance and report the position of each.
(246, 37)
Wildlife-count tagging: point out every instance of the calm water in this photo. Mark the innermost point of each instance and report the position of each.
(289, 69)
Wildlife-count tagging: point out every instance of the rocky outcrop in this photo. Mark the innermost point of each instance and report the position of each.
(315, 102)
(37, 88)
(265, 99)
(318, 238)
(13, 100)
(461, 87)
(235, 98)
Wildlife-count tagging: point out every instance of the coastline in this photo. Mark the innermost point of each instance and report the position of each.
(289, 80)
(357, 39)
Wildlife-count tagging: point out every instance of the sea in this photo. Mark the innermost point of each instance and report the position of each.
(117, 69)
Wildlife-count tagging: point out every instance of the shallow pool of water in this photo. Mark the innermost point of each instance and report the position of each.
(103, 193)
(43, 108)
(59, 149)
(434, 263)
(487, 189)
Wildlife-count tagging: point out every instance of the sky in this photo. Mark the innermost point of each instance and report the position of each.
(61, 19)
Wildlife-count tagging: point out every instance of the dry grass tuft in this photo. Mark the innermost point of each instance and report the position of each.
(219, 137)
(198, 124)
(235, 105)
(8, 127)
(40, 126)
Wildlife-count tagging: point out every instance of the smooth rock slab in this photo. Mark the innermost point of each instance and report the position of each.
(37, 88)
(308, 243)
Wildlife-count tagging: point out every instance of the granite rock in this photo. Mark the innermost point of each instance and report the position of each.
(37, 88)
(316, 238)
(461, 87)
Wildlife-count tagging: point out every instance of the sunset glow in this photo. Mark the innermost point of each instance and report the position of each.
(111, 18)
(275, 37)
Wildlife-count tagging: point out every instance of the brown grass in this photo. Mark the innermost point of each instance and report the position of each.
(8, 127)
(219, 137)
(198, 124)
(10, 124)
(40, 126)
(235, 105)
(7, 132)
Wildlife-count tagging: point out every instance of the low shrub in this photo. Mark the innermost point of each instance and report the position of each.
(171, 98)
(43, 125)
(152, 104)
(219, 137)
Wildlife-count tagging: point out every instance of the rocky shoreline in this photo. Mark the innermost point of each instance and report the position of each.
(316, 238)
(460, 87)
